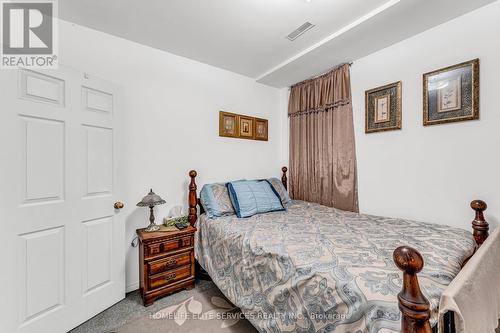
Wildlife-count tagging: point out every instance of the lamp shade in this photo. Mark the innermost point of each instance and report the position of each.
(152, 199)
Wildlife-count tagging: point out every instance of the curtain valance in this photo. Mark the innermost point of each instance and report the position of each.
(327, 91)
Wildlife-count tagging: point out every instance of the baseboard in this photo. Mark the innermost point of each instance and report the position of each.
(132, 287)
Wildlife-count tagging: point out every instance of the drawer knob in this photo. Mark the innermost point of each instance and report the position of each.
(170, 277)
(171, 262)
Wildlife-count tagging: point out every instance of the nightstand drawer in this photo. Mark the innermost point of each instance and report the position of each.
(166, 246)
(161, 265)
(169, 277)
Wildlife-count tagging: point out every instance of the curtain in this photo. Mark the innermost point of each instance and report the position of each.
(322, 149)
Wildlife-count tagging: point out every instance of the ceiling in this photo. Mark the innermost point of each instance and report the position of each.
(249, 36)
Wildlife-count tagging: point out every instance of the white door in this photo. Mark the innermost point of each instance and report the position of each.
(63, 258)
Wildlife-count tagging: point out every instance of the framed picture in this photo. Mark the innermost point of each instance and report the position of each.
(451, 94)
(228, 124)
(383, 108)
(246, 126)
(234, 125)
(261, 129)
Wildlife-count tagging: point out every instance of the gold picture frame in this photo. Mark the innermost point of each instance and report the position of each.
(383, 108)
(228, 124)
(261, 129)
(246, 127)
(451, 94)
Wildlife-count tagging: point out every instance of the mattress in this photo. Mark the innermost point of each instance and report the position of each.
(313, 268)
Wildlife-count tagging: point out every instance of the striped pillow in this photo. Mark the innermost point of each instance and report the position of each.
(250, 197)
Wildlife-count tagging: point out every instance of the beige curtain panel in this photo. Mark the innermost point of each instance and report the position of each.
(322, 149)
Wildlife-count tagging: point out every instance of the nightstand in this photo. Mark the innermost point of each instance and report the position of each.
(166, 262)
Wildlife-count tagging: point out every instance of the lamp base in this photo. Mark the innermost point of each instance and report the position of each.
(152, 227)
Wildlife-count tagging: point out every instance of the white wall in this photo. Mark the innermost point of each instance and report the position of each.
(172, 121)
(432, 173)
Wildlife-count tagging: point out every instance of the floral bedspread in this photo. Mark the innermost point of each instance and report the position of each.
(319, 269)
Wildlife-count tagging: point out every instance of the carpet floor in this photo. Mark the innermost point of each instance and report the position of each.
(202, 309)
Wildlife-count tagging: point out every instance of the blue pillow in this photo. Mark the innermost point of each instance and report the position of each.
(280, 189)
(215, 200)
(250, 197)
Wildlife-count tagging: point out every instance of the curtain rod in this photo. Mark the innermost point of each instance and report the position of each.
(326, 72)
(330, 69)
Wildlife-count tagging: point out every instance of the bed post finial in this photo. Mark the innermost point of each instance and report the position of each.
(284, 180)
(192, 198)
(479, 224)
(415, 308)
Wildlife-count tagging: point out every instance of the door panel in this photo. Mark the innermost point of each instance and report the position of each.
(99, 160)
(41, 87)
(97, 100)
(97, 251)
(42, 272)
(42, 147)
(60, 151)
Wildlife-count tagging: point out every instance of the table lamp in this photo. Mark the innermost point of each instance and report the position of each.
(151, 200)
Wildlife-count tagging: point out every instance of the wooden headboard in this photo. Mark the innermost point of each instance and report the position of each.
(194, 201)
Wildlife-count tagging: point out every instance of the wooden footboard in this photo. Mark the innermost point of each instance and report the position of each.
(415, 308)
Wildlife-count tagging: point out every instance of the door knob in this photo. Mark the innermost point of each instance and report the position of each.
(118, 205)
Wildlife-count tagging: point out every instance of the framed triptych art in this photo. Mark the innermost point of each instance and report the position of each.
(383, 108)
(239, 126)
(452, 94)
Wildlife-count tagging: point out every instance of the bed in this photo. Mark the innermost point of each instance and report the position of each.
(313, 268)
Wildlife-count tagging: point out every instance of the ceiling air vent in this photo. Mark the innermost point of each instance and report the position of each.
(299, 31)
